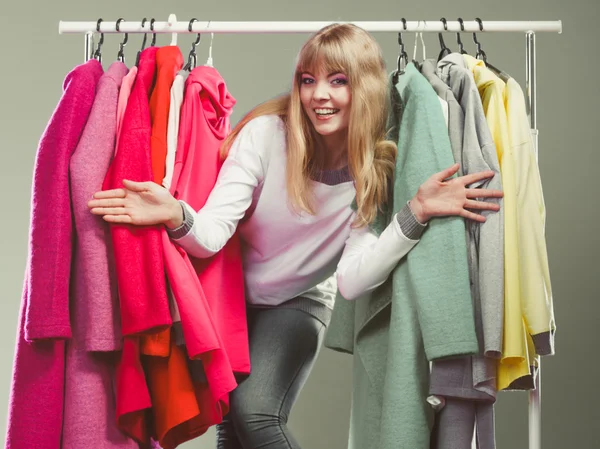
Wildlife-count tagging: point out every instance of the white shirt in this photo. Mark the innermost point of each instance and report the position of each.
(177, 92)
(287, 254)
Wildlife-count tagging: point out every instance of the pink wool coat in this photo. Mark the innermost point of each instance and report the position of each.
(36, 396)
(90, 408)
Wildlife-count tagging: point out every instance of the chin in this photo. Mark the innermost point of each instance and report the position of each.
(326, 129)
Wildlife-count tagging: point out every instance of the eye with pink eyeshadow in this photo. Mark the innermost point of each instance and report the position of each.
(340, 79)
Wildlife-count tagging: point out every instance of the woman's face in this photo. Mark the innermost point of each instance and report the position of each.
(326, 99)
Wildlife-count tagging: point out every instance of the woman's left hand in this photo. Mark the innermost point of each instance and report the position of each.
(441, 196)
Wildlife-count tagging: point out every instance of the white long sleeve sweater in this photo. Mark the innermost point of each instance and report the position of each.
(288, 254)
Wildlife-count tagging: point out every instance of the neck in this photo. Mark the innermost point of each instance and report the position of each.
(334, 150)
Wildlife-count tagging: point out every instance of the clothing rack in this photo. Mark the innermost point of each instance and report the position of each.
(530, 28)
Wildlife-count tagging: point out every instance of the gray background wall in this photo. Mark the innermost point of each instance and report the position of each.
(35, 58)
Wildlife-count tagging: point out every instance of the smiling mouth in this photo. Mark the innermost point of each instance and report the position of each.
(326, 112)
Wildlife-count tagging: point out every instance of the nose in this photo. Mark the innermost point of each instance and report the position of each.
(321, 91)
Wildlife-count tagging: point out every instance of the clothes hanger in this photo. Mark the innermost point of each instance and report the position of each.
(121, 54)
(482, 56)
(98, 52)
(137, 59)
(153, 43)
(480, 53)
(402, 56)
(192, 56)
(420, 65)
(461, 47)
(445, 50)
(209, 60)
(419, 35)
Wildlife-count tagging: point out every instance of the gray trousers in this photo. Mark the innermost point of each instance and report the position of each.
(284, 344)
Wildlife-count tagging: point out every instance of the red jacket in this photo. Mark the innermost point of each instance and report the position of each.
(168, 61)
(138, 250)
(138, 258)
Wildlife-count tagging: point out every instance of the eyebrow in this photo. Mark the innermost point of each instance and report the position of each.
(331, 74)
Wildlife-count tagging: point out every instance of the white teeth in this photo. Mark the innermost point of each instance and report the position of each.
(326, 111)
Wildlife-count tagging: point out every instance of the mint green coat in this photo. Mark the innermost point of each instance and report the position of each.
(423, 312)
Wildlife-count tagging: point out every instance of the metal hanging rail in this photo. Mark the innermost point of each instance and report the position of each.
(261, 27)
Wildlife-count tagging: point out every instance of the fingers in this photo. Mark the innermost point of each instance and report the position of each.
(447, 173)
(475, 177)
(484, 193)
(124, 219)
(115, 193)
(481, 205)
(137, 186)
(472, 216)
(108, 202)
(109, 211)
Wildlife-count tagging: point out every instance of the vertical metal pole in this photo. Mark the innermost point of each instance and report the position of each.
(89, 46)
(530, 81)
(535, 396)
(530, 77)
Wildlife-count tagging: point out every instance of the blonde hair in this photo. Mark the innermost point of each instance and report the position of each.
(348, 49)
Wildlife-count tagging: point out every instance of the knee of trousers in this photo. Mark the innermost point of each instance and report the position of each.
(249, 421)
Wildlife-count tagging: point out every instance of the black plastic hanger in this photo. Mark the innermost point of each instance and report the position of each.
(402, 56)
(98, 52)
(461, 47)
(137, 58)
(192, 56)
(445, 50)
(481, 55)
(153, 43)
(121, 54)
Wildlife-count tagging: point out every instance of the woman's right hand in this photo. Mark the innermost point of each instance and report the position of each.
(138, 203)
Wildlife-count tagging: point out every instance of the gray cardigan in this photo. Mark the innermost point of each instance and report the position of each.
(473, 146)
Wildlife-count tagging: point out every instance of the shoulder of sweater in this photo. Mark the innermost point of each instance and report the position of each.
(266, 124)
(264, 134)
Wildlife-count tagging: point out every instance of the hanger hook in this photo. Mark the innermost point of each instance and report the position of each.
(209, 60)
(458, 40)
(442, 43)
(137, 58)
(444, 49)
(121, 54)
(98, 53)
(480, 53)
(144, 20)
(198, 38)
(402, 56)
(192, 56)
(153, 43)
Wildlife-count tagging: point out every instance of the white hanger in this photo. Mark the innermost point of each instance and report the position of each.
(171, 20)
(209, 61)
(419, 35)
(416, 45)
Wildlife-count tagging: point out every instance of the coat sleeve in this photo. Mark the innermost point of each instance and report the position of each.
(207, 231)
(368, 259)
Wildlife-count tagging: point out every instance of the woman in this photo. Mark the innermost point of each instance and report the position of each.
(294, 167)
